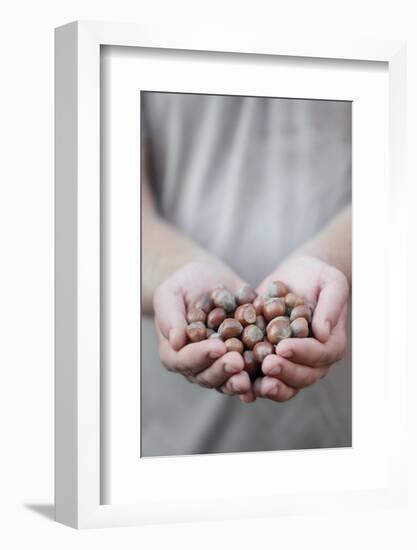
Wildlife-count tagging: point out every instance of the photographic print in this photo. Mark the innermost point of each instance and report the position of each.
(246, 273)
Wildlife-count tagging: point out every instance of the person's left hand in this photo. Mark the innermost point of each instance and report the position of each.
(300, 362)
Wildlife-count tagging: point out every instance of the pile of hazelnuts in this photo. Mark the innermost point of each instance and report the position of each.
(249, 323)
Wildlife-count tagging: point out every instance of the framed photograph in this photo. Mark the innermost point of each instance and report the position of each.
(228, 213)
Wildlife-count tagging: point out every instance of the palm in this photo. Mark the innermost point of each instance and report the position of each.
(302, 275)
(319, 284)
(206, 362)
(195, 279)
(300, 362)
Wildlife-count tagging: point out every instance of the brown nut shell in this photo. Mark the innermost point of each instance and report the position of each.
(252, 335)
(261, 350)
(196, 332)
(277, 289)
(258, 304)
(209, 332)
(274, 307)
(216, 289)
(234, 344)
(278, 329)
(204, 302)
(230, 328)
(251, 367)
(196, 315)
(261, 323)
(216, 317)
(301, 311)
(245, 314)
(246, 295)
(225, 299)
(292, 300)
(215, 336)
(299, 328)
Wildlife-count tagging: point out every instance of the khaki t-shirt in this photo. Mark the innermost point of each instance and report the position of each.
(250, 179)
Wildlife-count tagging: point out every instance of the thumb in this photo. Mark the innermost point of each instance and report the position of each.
(170, 316)
(334, 292)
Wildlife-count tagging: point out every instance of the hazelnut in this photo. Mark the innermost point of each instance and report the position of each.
(301, 311)
(273, 307)
(299, 328)
(245, 314)
(246, 295)
(215, 336)
(216, 317)
(277, 289)
(196, 315)
(258, 304)
(278, 329)
(292, 300)
(234, 344)
(216, 288)
(204, 302)
(251, 336)
(251, 367)
(261, 350)
(209, 332)
(230, 328)
(261, 323)
(225, 299)
(196, 332)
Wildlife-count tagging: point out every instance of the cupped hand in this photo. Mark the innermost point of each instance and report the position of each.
(300, 362)
(206, 363)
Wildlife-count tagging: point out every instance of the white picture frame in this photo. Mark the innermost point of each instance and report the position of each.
(78, 405)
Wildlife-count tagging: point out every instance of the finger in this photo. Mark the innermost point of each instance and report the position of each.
(256, 387)
(296, 376)
(276, 390)
(334, 292)
(220, 371)
(311, 352)
(192, 358)
(236, 385)
(169, 310)
(248, 397)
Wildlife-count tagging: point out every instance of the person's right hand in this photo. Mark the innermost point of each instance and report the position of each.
(205, 363)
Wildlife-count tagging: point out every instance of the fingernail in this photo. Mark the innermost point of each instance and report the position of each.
(286, 353)
(215, 354)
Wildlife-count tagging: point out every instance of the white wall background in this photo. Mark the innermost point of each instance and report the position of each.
(26, 268)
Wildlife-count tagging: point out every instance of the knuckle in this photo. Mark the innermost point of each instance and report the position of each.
(324, 373)
(308, 378)
(206, 384)
(323, 357)
(288, 396)
(206, 381)
(228, 390)
(185, 371)
(342, 348)
(168, 365)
